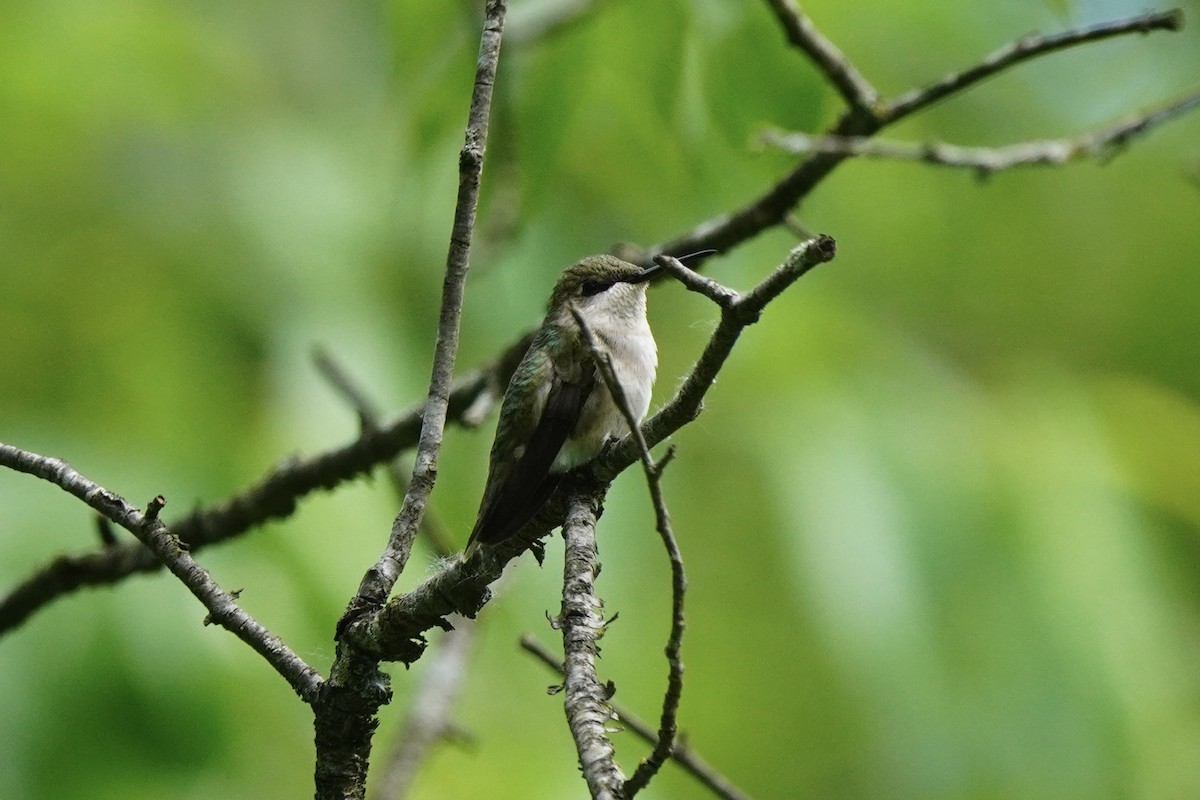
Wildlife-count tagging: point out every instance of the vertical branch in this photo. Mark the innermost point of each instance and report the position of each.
(345, 712)
(668, 727)
(586, 699)
(378, 582)
(688, 759)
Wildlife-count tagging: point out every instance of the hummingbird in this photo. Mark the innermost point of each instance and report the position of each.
(557, 413)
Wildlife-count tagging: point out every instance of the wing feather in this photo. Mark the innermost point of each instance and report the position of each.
(520, 480)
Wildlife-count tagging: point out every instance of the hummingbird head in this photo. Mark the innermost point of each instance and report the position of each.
(594, 279)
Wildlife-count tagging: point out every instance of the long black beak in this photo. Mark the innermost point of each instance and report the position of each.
(646, 274)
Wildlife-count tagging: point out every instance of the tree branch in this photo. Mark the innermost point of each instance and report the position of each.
(346, 707)
(586, 699)
(428, 720)
(856, 90)
(682, 753)
(154, 535)
(725, 231)
(276, 494)
(737, 311)
(377, 583)
(668, 721)
(986, 160)
(1025, 49)
(670, 709)
(273, 497)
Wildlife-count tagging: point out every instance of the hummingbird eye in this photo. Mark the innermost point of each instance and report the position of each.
(589, 288)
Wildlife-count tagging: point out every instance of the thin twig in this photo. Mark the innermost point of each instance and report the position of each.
(682, 754)
(668, 720)
(986, 160)
(670, 708)
(274, 496)
(1026, 49)
(585, 698)
(345, 710)
(151, 532)
(735, 316)
(378, 582)
(855, 89)
(772, 207)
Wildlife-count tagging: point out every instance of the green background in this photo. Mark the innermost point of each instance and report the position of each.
(941, 513)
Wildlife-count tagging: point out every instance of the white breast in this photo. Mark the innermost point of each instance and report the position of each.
(618, 320)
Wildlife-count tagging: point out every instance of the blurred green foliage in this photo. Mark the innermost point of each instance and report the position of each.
(941, 513)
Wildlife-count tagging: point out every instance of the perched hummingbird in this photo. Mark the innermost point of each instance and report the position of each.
(557, 412)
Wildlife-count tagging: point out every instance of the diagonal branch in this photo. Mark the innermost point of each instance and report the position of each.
(856, 90)
(986, 160)
(151, 532)
(276, 494)
(772, 207)
(736, 314)
(1026, 49)
(377, 583)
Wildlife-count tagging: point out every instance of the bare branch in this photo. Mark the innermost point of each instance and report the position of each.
(735, 316)
(1026, 49)
(273, 497)
(154, 535)
(682, 754)
(772, 207)
(428, 720)
(585, 698)
(668, 726)
(670, 709)
(693, 281)
(346, 708)
(856, 90)
(377, 583)
(986, 160)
